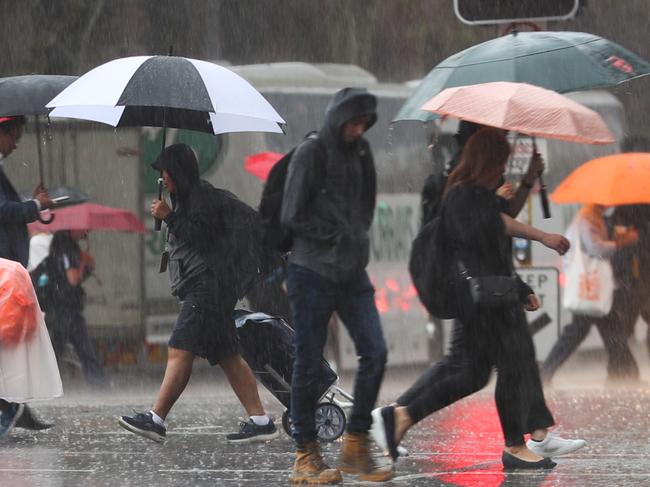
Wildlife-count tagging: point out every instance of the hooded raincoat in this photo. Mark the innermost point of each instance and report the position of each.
(330, 218)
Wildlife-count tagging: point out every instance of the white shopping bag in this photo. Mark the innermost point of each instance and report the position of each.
(589, 288)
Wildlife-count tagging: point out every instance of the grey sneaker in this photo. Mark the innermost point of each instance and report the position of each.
(553, 446)
(250, 432)
(143, 424)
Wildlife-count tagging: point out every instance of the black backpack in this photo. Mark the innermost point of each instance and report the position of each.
(431, 270)
(276, 235)
(248, 258)
(46, 279)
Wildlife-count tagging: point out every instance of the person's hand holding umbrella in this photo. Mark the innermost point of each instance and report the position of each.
(160, 209)
(626, 237)
(42, 196)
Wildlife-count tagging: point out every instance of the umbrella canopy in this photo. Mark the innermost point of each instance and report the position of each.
(260, 164)
(558, 61)
(523, 108)
(91, 216)
(167, 91)
(618, 179)
(75, 195)
(28, 95)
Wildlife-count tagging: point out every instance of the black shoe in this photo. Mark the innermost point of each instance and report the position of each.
(249, 432)
(511, 462)
(143, 424)
(383, 430)
(30, 422)
(9, 417)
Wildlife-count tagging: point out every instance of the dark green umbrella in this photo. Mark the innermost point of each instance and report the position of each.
(558, 61)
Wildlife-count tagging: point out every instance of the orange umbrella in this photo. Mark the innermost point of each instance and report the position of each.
(260, 164)
(523, 108)
(618, 179)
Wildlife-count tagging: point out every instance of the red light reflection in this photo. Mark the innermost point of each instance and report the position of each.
(391, 296)
(471, 452)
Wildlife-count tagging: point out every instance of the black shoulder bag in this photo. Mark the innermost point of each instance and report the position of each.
(491, 292)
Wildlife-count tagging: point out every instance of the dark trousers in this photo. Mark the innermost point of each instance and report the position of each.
(313, 299)
(69, 325)
(614, 331)
(481, 341)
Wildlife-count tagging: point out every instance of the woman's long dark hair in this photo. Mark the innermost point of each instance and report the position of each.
(484, 152)
(63, 243)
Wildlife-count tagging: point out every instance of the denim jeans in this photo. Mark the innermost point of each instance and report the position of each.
(313, 300)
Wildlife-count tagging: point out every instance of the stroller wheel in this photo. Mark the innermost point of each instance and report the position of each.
(330, 421)
(286, 422)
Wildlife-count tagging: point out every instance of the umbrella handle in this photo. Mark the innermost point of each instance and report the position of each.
(158, 222)
(543, 196)
(46, 221)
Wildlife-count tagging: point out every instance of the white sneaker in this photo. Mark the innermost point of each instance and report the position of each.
(553, 446)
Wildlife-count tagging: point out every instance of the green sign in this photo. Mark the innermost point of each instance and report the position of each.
(206, 147)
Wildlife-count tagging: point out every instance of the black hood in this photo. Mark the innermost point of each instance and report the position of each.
(348, 104)
(180, 163)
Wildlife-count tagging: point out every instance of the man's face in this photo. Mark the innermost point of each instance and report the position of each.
(353, 129)
(168, 182)
(9, 140)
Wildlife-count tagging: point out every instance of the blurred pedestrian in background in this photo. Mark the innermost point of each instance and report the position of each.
(69, 266)
(591, 233)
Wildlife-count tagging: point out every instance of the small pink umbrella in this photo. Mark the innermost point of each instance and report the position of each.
(260, 164)
(523, 108)
(91, 216)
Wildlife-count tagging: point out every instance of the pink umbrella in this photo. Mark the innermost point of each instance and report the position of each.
(91, 216)
(260, 164)
(523, 108)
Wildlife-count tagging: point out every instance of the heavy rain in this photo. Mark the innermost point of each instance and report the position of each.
(489, 173)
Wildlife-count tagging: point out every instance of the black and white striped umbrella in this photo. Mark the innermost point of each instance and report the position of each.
(167, 91)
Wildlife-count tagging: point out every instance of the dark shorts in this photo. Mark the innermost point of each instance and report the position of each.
(205, 325)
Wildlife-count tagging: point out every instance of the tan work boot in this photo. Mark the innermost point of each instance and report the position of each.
(356, 459)
(310, 468)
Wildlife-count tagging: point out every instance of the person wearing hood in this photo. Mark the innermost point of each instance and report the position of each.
(203, 270)
(328, 204)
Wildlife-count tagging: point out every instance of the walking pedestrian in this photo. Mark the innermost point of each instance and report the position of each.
(476, 231)
(328, 204)
(205, 275)
(14, 245)
(69, 268)
(595, 241)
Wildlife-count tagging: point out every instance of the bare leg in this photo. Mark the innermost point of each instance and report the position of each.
(243, 383)
(177, 374)
(523, 453)
(402, 423)
(539, 435)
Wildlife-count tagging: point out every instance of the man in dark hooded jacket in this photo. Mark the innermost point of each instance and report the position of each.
(205, 271)
(328, 204)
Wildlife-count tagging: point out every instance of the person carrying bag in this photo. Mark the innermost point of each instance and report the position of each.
(592, 295)
(589, 286)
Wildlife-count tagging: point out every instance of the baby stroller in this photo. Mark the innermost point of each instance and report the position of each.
(267, 345)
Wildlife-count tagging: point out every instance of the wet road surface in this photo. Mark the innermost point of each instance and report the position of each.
(459, 446)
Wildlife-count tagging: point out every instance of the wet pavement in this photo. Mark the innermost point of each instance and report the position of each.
(459, 446)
